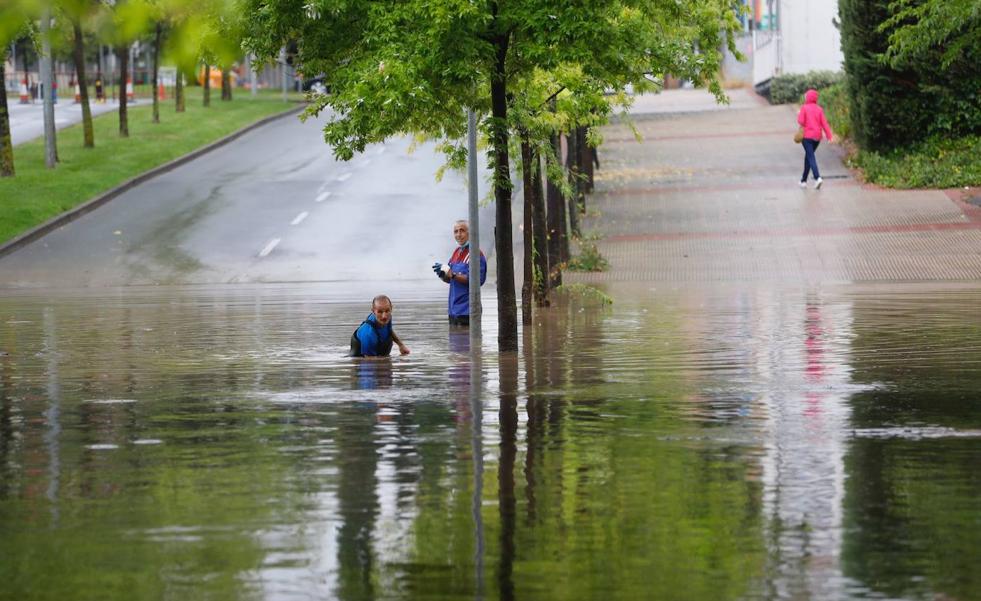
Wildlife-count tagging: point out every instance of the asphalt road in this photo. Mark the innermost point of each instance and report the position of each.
(272, 206)
(27, 120)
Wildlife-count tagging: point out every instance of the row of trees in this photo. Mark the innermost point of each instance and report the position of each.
(531, 69)
(188, 32)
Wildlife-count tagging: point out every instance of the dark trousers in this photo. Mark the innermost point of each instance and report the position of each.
(459, 320)
(810, 161)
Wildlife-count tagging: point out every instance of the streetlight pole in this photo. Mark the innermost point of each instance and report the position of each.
(475, 308)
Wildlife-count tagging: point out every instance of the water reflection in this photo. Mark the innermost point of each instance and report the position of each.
(701, 444)
(372, 374)
(358, 447)
(803, 467)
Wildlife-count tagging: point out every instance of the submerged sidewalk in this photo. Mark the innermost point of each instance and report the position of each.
(711, 195)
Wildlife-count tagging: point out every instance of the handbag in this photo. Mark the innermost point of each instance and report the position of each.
(799, 136)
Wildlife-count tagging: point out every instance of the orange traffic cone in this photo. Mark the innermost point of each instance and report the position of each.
(25, 96)
(161, 92)
(129, 89)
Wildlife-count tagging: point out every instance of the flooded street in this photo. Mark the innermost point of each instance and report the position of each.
(723, 442)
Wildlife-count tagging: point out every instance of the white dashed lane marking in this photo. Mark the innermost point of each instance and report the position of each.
(299, 218)
(323, 196)
(344, 176)
(269, 247)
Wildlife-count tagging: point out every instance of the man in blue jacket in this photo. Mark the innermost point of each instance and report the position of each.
(375, 335)
(456, 273)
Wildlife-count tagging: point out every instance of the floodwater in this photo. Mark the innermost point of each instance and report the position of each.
(710, 444)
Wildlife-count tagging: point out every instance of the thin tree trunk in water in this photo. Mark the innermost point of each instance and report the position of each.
(155, 83)
(572, 149)
(529, 193)
(539, 234)
(586, 162)
(123, 53)
(226, 84)
(78, 53)
(558, 237)
(207, 84)
(6, 147)
(179, 92)
(507, 311)
(555, 214)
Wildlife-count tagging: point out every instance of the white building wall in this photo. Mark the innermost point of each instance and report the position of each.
(810, 40)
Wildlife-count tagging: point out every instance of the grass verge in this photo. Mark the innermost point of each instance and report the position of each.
(37, 194)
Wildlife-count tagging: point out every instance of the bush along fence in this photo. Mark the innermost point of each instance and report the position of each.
(789, 88)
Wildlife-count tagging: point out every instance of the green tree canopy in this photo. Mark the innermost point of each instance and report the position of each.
(413, 66)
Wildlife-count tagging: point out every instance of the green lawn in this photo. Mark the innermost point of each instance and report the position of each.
(36, 193)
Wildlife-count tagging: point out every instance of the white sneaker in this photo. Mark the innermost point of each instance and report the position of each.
(817, 184)
(803, 184)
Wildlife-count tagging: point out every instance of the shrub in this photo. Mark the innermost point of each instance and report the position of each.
(937, 162)
(584, 292)
(899, 102)
(834, 99)
(588, 259)
(791, 88)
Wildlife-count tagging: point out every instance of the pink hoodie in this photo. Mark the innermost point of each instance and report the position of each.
(811, 117)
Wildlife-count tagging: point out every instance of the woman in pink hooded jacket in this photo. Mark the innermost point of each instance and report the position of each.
(811, 118)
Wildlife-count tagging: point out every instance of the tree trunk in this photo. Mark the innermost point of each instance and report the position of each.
(155, 82)
(507, 311)
(78, 53)
(571, 163)
(586, 162)
(226, 84)
(529, 269)
(123, 53)
(539, 234)
(179, 92)
(558, 239)
(207, 84)
(6, 147)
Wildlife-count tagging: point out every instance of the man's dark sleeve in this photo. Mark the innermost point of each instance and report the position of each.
(356, 344)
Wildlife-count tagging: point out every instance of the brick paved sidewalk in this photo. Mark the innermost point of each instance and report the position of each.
(711, 195)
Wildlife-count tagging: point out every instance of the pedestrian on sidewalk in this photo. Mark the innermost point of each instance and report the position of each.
(374, 337)
(456, 273)
(814, 125)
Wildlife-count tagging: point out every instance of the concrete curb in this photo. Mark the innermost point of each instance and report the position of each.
(88, 206)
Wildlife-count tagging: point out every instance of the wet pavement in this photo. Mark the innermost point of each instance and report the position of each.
(724, 430)
(27, 120)
(712, 196)
(274, 206)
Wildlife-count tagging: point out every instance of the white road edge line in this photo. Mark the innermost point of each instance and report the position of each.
(269, 247)
(299, 218)
(344, 176)
(323, 196)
